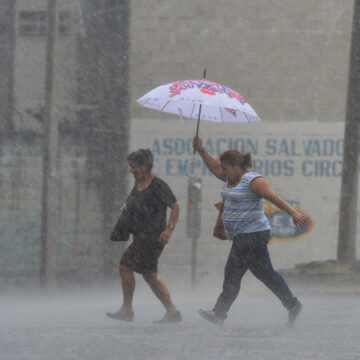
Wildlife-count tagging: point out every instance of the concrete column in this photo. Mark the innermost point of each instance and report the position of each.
(49, 217)
(349, 185)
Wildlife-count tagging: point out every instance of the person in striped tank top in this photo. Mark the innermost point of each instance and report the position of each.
(247, 226)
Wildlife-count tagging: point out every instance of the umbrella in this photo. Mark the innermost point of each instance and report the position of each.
(201, 100)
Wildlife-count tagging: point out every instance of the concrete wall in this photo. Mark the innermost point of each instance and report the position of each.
(30, 61)
(288, 58)
(83, 252)
(302, 161)
(92, 139)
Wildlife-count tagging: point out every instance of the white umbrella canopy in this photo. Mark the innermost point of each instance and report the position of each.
(200, 99)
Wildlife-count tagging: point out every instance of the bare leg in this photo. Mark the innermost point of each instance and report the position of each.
(160, 290)
(128, 286)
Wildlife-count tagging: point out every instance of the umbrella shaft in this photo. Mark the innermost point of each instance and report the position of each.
(198, 124)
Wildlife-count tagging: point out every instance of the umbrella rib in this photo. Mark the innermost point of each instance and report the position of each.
(165, 106)
(246, 116)
(192, 111)
(222, 120)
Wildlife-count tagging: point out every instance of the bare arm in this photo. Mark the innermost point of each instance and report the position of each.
(174, 214)
(173, 219)
(263, 189)
(212, 164)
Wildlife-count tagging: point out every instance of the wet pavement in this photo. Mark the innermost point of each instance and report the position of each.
(72, 325)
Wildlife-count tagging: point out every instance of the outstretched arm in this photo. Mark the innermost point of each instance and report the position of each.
(262, 188)
(212, 164)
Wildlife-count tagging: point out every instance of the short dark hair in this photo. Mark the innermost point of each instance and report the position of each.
(142, 157)
(235, 157)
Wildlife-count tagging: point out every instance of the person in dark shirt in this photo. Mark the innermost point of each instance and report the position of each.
(146, 206)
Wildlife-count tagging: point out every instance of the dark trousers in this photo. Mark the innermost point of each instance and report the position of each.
(250, 251)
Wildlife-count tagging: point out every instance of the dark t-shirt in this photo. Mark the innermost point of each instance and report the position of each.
(147, 208)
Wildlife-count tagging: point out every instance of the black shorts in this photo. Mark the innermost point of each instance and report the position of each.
(143, 253)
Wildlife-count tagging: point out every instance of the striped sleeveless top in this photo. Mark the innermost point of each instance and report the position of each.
(243, 210)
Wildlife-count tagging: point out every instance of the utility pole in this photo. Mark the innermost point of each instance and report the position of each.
(49, 216)
(7, 33)
(104, 81)
(346, 252)
(193, 221)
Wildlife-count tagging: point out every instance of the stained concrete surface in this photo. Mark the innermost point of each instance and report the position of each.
(71, 324)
